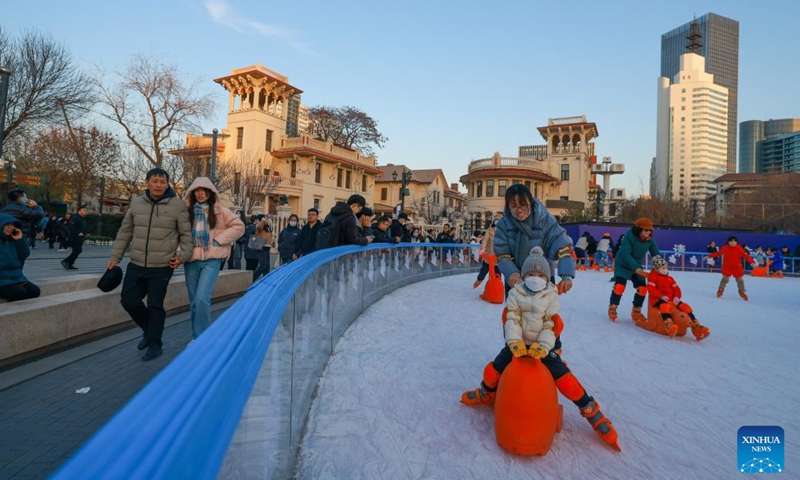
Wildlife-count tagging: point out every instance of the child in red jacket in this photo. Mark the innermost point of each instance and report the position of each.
(664, 293)
(732, 254)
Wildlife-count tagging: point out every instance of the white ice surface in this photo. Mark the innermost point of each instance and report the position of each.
(388, 403)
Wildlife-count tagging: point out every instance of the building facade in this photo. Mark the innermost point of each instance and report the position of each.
(769, 146)
(692, 129)
(719, 45)
(264, 157)
(425, 198)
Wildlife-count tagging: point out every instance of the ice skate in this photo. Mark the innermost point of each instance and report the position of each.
(743, 295)
(699, 331)
(600, 423)
(719, 293)
(636, 314)
(612, 313)
(477, 283)
(477, 396)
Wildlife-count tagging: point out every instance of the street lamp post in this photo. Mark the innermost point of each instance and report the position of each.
(5, 75)
(214, 156)
(405, 179)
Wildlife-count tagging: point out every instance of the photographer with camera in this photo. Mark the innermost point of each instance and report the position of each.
(26, 211)
(13, 252)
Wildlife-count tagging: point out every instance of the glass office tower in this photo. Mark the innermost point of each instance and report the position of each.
(720, 47)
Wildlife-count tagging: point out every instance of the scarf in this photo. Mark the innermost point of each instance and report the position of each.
(200, 234)
(524, 234)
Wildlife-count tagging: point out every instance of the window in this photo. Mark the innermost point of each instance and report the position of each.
(363, 183)
(347, 179)
(501, 188)
(528, 184)
(268, 141)
(384, 194)
(316, 203)
(490, 188)
(517, 182)
(565, 198)
(294, 169)
(479, 188)
(318, 172)
(339, 177)
(564, 172)
(239, 138)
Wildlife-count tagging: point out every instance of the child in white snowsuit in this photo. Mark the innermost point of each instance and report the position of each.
(531, 329)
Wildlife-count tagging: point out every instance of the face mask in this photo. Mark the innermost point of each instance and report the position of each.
(292, 224)
(23, 200)
(535, 283)
(663, 271)
(415, 235)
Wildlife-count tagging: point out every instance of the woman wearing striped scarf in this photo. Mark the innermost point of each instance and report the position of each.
(214, 229)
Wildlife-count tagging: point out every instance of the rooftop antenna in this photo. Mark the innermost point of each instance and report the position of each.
(693, 44)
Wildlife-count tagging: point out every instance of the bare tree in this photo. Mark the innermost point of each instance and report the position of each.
(246, 183)
(151, 104)
(428, 208)
(42, 72)
(660, 211)
(348, 127)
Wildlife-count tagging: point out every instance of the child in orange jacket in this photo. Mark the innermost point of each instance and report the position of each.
(732, 254)
(664, 293)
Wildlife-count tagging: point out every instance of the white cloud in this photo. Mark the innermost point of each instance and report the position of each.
(223, 13)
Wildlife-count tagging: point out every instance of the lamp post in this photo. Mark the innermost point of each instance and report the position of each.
(5, 75)
(405, 178)
(214, 156)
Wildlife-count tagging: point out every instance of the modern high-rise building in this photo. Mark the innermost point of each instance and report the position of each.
(769, 146)
(692, 132)
(719, 44)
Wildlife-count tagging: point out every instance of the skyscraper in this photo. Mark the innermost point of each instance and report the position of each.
(771, 146)
(692, 129)
(719, 44)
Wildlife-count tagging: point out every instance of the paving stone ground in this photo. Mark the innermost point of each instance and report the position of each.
(43, 421)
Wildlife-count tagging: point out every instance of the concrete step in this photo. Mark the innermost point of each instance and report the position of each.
(75, 310)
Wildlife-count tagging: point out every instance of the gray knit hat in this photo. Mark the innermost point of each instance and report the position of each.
(536, 263)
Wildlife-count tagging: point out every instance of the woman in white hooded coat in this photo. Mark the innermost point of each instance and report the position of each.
(214, 229)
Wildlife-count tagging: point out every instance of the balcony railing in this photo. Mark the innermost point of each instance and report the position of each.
(495, 162)
(329, 148)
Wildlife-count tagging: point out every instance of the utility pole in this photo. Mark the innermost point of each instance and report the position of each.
(5, 75)
(214, 156)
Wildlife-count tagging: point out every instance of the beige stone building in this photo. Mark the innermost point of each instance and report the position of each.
(557, 173)
(425, 196)
(265, 159)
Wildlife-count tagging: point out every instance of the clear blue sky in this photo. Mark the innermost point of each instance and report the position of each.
(447, 81)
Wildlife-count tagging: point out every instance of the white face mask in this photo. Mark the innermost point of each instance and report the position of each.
(293, 224)
(535, 283)
(662, 271)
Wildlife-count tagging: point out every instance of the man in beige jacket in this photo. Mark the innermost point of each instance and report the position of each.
(157, 230)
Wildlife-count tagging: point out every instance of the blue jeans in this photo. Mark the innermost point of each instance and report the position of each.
(200, 278)
(602, 259)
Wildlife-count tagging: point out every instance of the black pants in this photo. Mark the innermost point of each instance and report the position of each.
(263, 264)
(250, 263)
(19, 291)
(485, 271)
(151, 282)
(77, 248)
(637, 281)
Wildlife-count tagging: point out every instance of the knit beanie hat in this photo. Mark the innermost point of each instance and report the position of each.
(659, 262)
(536, 263)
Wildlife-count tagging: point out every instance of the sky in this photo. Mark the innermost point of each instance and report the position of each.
(448, 82)
(387, 405)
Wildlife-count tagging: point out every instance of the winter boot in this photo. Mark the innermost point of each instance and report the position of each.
(671, 328)
(699, 331)
(612, 313)
(607, 269)
(743, 295)
(719, 293)
(600, 423)
(636, 313)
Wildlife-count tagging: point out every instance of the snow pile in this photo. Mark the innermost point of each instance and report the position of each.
(388, 404)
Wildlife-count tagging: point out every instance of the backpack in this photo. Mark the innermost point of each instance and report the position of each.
(328, 234)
